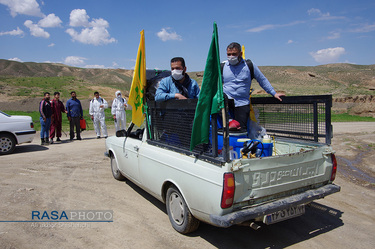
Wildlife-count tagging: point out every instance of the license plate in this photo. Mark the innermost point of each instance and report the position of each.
(284, 214)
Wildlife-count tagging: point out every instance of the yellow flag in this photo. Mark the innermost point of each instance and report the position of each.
(138, 84)
(243, 51)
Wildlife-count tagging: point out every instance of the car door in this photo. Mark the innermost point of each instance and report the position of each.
(131, 158)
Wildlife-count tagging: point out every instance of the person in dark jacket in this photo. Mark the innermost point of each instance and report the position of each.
(56, 119)
(75, 114)
(45, 118)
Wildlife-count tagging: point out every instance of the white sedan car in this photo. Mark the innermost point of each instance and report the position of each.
(14, 130)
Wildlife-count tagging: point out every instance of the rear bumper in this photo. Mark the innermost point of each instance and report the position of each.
(268, 208)
(25, 136)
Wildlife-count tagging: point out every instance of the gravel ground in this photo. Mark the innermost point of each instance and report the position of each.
(77, 176)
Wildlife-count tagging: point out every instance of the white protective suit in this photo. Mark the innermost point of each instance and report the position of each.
(118, 108)
(99, 116)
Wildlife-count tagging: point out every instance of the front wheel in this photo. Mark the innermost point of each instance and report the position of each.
(7, 144)
(178, 212)
(115, 171)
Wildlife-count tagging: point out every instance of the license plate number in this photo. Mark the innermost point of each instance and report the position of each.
(284, 214)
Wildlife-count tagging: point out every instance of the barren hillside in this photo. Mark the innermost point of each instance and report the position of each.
(352, 86)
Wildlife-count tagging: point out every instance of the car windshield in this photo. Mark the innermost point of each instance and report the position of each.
(5, 114)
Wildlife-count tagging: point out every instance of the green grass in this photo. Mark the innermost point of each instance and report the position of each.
(65, 122)
(345, 117)
(36, 86)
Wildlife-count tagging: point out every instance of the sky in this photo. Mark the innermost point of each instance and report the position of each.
(106, 33)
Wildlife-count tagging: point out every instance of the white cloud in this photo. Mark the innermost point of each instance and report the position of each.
(14, 32)
(50, 21)
(273, 26)
(74, 60)
(15, 59)
(23, 7)
(334, 35)
(94, 32)
(365, 28)
(95, 66)
(164, 35)
(36, 30)
(320, 16)
(78, 18)
(290, 42)
(51, 45)
(328, 55)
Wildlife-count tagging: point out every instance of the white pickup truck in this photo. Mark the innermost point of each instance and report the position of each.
(217, 189)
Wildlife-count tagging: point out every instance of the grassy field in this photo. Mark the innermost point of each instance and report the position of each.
(345, 117)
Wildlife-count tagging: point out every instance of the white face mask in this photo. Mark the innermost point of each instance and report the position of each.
(177, 74)
(233, 60)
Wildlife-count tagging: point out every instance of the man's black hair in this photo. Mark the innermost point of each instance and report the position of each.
(175, 59)
(56, 93)
(234, 45)
(46, 93)
(96, 93)
(72, 92)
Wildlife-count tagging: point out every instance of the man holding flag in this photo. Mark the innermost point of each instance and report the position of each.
(138, 84)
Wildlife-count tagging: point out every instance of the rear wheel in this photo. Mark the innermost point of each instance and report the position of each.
(178, 212)
(7, 144)
(115, 171)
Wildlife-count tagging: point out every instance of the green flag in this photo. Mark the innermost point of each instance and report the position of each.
(211, 99)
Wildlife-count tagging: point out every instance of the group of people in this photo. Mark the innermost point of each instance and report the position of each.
(51, 115)
(237, 75)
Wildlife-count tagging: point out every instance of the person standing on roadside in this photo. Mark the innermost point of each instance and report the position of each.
(75, 114)
(97, 106)
(45, 118)
(119, 105)
(56, 118)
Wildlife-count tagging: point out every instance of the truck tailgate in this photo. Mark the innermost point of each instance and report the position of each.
(264, 179)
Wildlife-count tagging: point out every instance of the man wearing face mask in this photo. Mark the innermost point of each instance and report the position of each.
(179, 85)
(237, 82)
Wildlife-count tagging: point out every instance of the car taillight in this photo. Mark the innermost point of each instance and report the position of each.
(334, 167)
(31, 125)
(228, 191)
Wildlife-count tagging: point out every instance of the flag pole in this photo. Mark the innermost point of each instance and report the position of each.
(148, 120)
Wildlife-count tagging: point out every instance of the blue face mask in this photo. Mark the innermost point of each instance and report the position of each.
(233, 60)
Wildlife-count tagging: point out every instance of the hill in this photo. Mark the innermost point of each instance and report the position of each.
(348, 83)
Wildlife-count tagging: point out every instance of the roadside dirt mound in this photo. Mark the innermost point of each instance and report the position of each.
(362, 105)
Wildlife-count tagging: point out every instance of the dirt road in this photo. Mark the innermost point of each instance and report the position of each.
(76, 176)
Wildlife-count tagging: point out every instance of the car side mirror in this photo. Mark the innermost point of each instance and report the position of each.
(121, 133)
